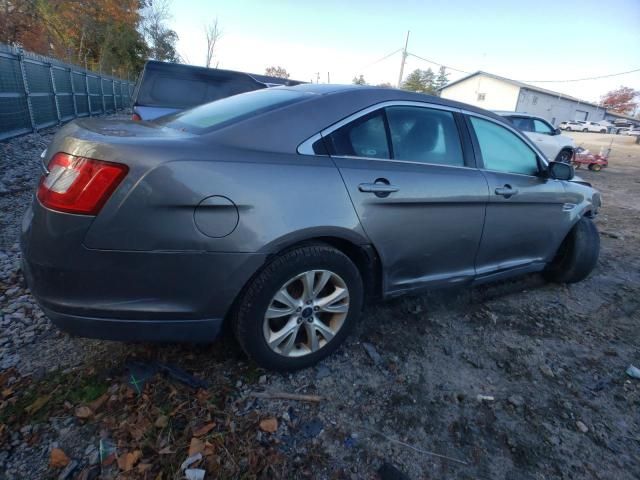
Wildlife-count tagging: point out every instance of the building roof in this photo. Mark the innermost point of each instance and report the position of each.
(521, 85)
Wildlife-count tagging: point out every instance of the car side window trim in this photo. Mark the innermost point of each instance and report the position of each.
(306, 147)
(542, 162)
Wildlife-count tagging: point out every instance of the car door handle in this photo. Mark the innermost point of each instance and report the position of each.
(377, 188)
(506, 191)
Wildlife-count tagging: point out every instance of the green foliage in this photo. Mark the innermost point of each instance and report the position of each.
(426, 81)
(359, 80)
(111, 36)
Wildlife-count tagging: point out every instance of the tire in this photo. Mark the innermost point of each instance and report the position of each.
(286, 273)
(564, 156)
(568, 129)
(585, 130)
(603, 131)
(578, 254)
(595, 167)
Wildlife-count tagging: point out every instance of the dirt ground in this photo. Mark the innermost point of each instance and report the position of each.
(517, 380)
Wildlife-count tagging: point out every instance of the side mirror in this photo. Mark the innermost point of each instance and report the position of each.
(557, 131)
(560, 171)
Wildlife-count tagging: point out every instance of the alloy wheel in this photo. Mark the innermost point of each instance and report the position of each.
(306, 313)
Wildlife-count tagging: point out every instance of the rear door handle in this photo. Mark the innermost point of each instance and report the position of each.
(506, 191)
(377, 188)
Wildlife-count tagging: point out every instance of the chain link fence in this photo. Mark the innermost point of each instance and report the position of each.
(38, 92)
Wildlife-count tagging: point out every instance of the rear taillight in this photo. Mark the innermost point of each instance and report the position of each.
(136, 118)
(78, 184)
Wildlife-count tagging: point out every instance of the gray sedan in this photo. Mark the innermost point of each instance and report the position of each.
(282, 211)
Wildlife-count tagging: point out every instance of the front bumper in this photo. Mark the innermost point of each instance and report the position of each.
(127, 295)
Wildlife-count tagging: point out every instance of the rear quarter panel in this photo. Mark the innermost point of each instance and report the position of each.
(280, 198)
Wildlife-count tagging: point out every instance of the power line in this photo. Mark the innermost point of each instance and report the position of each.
(582, 79)
(437, 63)
(379, 60)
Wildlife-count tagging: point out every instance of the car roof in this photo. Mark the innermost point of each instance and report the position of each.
(382, 94)
(324, 105)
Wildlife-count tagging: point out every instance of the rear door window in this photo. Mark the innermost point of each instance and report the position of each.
(364, 137)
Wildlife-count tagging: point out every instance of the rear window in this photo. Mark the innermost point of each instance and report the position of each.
(216, 114)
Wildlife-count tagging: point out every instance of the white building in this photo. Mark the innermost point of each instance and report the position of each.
(492, 92)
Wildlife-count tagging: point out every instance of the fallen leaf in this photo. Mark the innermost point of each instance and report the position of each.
(209, 449)
(128, 461)
(7, 392)
(166, 451)
(203, 429)
(37, 405)
(99, 402)
(269, 425)
(162, 421)
(58, 459)
(196, 446)
(143, 467)
(83, 411)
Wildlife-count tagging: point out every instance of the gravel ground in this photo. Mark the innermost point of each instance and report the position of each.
(517, 380)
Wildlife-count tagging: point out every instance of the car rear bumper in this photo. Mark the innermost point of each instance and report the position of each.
(127, 295)
(192, 331)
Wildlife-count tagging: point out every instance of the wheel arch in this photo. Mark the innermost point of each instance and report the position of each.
(354, 245)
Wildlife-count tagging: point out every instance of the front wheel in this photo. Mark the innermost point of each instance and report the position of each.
(299, 308)
(584, 130)
(578, 254)
(596, 167)
(564, 156)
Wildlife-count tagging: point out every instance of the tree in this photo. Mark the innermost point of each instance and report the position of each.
(213, 33)
(384, 85)
(359, 80)
(278, 72)
(160, 39)
(421, 81)
(442, 79)
(621, 100)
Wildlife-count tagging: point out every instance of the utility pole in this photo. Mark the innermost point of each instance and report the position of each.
(404, 58)
(328, 78)
(317, 77)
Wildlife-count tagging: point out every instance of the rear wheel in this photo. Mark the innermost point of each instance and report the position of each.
(603, 131)
(585, 130)
(300, 308)
(596, 167)
(578, 254)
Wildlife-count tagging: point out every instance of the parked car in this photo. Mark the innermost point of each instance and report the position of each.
(571, 125)
(164, 88)
(283, 210)
(555, 146)
(631, 131)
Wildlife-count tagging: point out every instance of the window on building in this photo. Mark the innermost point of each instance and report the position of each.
(481, 97)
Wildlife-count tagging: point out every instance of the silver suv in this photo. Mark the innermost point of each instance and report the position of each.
(283, 211)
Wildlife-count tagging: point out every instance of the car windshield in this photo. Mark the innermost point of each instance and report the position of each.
(210, 116)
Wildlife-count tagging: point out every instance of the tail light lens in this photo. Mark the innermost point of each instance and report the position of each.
(78, 184)
(136, 118)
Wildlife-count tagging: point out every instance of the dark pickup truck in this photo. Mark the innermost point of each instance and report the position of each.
(165, 88)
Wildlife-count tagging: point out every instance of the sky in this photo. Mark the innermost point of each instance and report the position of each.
(337, 40)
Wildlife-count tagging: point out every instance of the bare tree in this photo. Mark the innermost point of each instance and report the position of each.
(160, 38)
(213, 33)
(279, 72)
